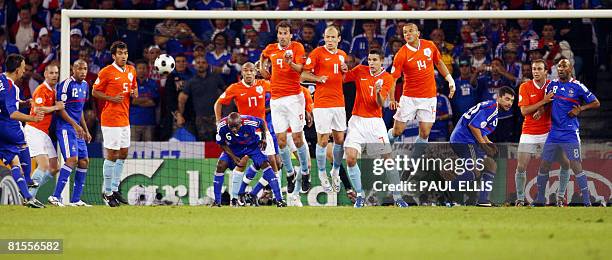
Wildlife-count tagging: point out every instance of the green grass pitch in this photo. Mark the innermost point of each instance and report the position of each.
(315, 232)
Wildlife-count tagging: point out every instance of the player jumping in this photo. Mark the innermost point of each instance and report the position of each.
(570, 98)
(115, 84)
(416, 60)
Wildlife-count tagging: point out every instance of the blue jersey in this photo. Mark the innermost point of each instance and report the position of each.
(246, 137)
(11, 135)
(489, 88)
(74, 95)
(482, 116)
(567, 95)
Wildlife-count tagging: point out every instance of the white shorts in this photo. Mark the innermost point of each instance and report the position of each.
(116, 138)
(288, 112)
(369, 133)
(291, 144)
(423, 109)
(532, 144)
(39, 142)
(269, 144)
(328, 119)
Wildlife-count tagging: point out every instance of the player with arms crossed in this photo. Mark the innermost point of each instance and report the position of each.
(250, 97)
(366, 127)
(532, 101)
(416, 61)
(469, 139)
(567, 104)
(287, 104)
(325, 66)
(115, 84)
(42, 148)
(72, 133)
(237, 136)
(12, 139)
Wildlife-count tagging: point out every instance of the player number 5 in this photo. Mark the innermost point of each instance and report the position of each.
(125, 88)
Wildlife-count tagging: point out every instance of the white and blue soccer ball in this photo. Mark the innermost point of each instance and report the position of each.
(164, 64)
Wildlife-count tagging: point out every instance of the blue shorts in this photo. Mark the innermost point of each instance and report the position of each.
(468, 151)
(70, 145)
(254, 154)
(567, 142)
(7, 155)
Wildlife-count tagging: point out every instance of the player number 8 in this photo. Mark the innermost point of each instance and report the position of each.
(576, 153)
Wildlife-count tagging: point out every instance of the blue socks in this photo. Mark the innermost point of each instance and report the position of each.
(581, 178)
(61, 180)
(354, 173)
(519, 180)
(285, 154)
(321, 159)
(542, 182)
(564, 177)
(338, 153)
(117, 174)
(23, 186)
(26, 164)
(260, 185)
(107, 169)
(236, 182)
(484, 194)
(466, 176)
(79, 183)
(270, 177)
(304, 156)
(217, 185)
(248, 177)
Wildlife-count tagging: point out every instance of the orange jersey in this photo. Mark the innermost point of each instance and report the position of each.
(365, 97)
(417, 66)
(308, 102)
(44, 96)
(284, 81)
(112, 81)
(529, 94)
(321, 62)
(250, 100)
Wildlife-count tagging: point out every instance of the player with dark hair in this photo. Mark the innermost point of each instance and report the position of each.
(469, 139)
(237, 136)
(570, 98)
(115, 84)
(288, 103)
(12, 139)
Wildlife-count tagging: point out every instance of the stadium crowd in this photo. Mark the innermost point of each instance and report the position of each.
(483, 55)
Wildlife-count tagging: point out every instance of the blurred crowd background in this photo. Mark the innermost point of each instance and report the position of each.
(483, 55)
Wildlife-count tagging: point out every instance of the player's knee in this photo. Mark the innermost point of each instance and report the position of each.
(520, 167)
(298, 140)
(351, 160)
(490, 165)
(397, 131)
(84, 163)
(323, 142)
(71, 162)
(339, 139)
(576, 166)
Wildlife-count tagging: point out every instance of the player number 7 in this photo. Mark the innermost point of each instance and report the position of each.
(371, 90)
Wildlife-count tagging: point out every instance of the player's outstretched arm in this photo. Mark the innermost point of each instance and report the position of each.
(26, 118)
(59, 105)
(262, 69)
(182, 100)
(309, 76)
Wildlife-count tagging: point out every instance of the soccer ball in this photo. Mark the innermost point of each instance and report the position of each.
(164, 64)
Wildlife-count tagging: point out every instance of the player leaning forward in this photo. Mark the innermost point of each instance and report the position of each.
(366, 127)
(115, 84)
(416, 60)
(288, 105)
(325, 66)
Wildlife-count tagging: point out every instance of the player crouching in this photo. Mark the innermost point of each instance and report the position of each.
(238, 138)
(469, 139)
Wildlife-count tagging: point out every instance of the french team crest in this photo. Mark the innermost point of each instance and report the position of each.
(570, 92)
(259, 89)
(427, 52)
(130, 76)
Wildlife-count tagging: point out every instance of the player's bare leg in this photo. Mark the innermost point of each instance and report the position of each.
(422, 139)
(396, 131)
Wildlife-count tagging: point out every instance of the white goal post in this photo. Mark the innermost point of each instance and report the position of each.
(227, 14)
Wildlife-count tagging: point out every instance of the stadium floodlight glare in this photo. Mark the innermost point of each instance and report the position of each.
(227, 14)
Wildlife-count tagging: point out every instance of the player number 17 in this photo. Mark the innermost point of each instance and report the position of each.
(254, 103)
